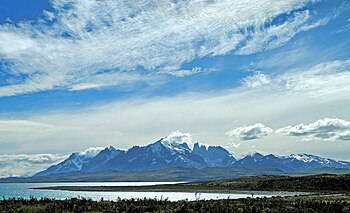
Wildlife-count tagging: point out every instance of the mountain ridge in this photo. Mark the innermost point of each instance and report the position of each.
(166, 153)
(161, 154)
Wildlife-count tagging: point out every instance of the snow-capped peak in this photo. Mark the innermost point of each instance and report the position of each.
(91, 152)
(307, 158)
(176, 141)
(111, 148)
(302, 157)
(175, 146)
(172, 146)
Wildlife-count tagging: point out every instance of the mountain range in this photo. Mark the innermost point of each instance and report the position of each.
(165, 154)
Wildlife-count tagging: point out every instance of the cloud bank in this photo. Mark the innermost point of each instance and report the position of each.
(93, 44)
(26, 165)
(329, 129)
(29, 164)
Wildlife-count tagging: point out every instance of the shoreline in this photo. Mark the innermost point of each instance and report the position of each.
(324, 183)
(180, 190)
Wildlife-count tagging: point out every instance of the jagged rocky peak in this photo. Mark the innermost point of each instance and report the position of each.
(110, 149)
(204, 148)
(215, 156)
(108, 152)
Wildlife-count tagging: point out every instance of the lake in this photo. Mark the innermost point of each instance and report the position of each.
(23, 190)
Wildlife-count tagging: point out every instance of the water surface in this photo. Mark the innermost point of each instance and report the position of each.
(24, 190)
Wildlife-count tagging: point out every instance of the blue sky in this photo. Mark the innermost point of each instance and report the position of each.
(18, 10)
(77, 74)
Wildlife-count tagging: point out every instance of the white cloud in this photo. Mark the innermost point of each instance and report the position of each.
(257, 80)
(329, 129)
(277, 35)
(250, 132)
(323, 81)
(179, 137)
(195, 70)
(22, 126)
(25, 164)
(87, 38)
(84, 86)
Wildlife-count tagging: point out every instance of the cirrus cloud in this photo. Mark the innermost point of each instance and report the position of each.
(92, 44)
(22, 126)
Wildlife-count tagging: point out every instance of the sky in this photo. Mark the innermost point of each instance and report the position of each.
(249, 75)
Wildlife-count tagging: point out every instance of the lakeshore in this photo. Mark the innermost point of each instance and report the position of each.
(324, 183)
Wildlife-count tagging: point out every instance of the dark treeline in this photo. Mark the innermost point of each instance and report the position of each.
(275, 204)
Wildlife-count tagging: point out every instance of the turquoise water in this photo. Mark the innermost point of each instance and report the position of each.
(23, 190)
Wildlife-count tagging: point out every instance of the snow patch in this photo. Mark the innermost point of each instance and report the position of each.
(91, 152)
